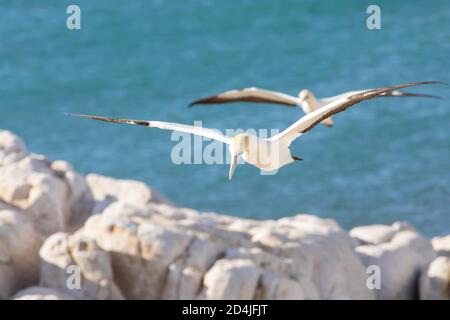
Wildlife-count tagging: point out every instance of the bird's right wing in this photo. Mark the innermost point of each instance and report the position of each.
(205, 132)
(249, 95)
(394, 93)
(340, 104)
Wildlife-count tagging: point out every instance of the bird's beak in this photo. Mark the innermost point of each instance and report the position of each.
(233, 166)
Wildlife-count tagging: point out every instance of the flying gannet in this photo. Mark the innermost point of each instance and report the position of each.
(305, 100)
(272, 153)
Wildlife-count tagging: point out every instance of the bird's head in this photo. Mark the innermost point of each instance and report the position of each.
(304, 95)
(239, 145)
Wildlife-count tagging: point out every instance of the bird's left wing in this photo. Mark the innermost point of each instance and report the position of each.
(340, 104)
(205, 132)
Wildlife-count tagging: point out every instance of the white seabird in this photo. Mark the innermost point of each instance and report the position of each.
(272, 153)
(305, 100)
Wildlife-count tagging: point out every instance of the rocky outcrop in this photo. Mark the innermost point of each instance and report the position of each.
(400, 253)
(77, 267)
(106, 190)
(34, 203)
(19, 244)
(66, 236)
(378, 233)
(441, 245)
(435, 280)
(38, 197)
(12, 148)
(164, 252)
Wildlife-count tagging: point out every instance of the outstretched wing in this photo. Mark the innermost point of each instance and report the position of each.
(205, 132)
(249, 95)
(347, 100)
(394, 93)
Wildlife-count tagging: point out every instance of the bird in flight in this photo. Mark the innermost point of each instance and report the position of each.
(272, 153)
(305, 100)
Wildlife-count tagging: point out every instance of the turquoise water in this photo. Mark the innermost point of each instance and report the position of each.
(383, 161)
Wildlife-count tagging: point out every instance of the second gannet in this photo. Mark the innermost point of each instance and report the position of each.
(306, 100)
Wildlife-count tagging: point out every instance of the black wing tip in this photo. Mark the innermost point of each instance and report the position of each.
(193, 104)
(87, 116)
(206, 101)
(145, 123)
(439, 82)
(432, 96)
(433, 82)
(430, 82)
(418, 83)
(387, 90)
(202, 101)
(423, 95)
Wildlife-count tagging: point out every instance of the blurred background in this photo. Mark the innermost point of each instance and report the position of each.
(383, 161)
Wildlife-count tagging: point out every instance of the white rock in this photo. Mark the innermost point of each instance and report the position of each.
(231, 279)
(19, 243)
(400, 261)
(373, 234)
(185, 274)
(80, 200)
(12, 148)
(164, 252)
(441, 245)
(35, 201)
(40, 293)
(322, 256)
(40, 194)
(106, 189)
(435, 281)
(77, 267)
(378, 233)
(37, 198)
(141, 252)
(61, 166)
